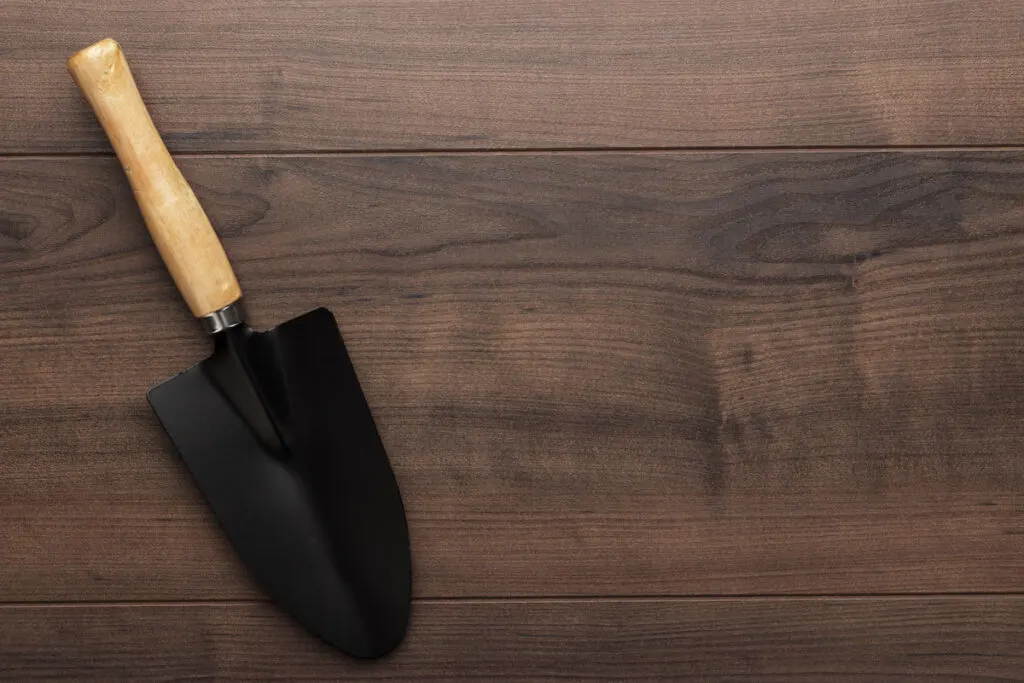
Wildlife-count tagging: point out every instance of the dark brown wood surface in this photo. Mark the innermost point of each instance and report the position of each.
(656, 413)
(485, 74)
(765, 639)
(648, 374)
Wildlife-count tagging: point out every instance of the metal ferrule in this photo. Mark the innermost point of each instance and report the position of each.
(222, 319)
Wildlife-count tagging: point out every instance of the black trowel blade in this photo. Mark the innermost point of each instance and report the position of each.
(276, 431)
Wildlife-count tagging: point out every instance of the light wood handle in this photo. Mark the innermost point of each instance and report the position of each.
(179, 226)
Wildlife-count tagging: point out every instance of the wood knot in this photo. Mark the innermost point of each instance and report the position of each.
(17, 227)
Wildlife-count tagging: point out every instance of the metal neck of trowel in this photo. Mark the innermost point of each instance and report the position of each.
(224, 318)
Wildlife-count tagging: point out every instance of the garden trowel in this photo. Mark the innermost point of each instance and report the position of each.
(273, 426)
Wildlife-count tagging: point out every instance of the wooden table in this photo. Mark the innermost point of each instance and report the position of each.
(693, 330)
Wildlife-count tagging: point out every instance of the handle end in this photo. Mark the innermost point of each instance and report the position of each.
(96, 62)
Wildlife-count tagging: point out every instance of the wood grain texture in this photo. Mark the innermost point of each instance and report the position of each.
(416, 74)
(926, 639)
(596, 374)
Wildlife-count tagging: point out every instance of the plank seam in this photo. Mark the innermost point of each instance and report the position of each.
(526, 151)
(851, 597)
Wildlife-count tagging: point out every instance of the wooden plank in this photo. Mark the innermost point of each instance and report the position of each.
(658, 374)
(545, 640)
(947, 638)
(485, 74)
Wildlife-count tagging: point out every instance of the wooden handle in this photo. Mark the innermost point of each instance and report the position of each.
(179, 226)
